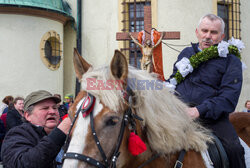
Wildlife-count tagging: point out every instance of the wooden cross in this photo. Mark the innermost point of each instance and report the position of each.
(121, 36)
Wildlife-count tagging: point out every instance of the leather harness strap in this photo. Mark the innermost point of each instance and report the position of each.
(104, 157)
(89, 160)
(179, 161)
(149, 160)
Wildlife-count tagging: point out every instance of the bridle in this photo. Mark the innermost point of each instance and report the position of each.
(128, 118)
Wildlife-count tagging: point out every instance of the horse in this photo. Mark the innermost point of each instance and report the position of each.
(114, 95)
(118, 102)
(241, 123)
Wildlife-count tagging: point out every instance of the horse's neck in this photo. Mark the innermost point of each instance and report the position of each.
(167, 161)
(138, 161)
(191, 159)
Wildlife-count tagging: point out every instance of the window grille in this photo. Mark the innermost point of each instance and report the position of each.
(51, 50)
(133, 21)
(229, 10)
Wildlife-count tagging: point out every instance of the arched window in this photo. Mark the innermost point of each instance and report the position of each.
(51, 50)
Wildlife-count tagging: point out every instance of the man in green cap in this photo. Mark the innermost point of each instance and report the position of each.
(36, 142)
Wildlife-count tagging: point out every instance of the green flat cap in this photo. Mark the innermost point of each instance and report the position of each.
(38, 96)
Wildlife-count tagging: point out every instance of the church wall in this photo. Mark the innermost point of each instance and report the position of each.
(69, 79)
(245, 27)
(99, 27)
(21, 66)
(183, 16)
(99, 24)
(69, 41)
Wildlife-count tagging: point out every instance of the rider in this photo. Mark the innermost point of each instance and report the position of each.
(212, 90)
(36, 142)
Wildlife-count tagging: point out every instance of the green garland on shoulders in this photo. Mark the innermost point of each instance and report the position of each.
(205, 55)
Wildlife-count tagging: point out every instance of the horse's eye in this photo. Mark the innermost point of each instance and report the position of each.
(112, 121)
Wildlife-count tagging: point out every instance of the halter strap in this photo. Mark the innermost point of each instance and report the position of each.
(92, 100)
(104, 157)
(84, 158)
(149, 160)
(179, 161)
(120, 137)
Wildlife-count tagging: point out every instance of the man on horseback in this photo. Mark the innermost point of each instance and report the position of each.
(212, 89)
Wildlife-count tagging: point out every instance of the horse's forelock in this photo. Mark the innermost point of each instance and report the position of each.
(169, 128)
(111, 98)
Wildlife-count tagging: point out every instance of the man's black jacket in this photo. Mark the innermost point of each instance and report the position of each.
(13, 119)
(28, 146)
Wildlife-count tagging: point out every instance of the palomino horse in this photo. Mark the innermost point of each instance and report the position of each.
(127, 100)
(117, 100)
(241, 123)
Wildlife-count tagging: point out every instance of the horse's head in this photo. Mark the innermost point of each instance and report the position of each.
(100, 123)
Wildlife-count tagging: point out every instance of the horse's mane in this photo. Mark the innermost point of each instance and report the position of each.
(169, 128)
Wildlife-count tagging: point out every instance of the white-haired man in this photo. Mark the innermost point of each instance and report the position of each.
(213, 88)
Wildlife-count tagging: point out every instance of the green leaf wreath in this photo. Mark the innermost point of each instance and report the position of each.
(205, 55)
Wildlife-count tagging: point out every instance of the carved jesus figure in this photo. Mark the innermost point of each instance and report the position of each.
(147, 62)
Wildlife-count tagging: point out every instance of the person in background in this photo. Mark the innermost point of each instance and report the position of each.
(213, 88)
(62, 109)
(37, 142)
(14, 116)
(247, 105)
(2, 135)
(4, 115)
(8, 100)
(68, 100)
(5, 103)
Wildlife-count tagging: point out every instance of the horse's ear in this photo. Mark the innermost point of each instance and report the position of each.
(119, 66)
(81, 66)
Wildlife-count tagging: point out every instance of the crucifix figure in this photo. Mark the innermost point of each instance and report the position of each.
(147, 62)
(122, 36)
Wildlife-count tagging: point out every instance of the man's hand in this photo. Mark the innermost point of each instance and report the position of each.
(193, 112)
(64, 126)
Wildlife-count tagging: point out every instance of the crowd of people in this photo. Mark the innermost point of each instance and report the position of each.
(31, 128)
